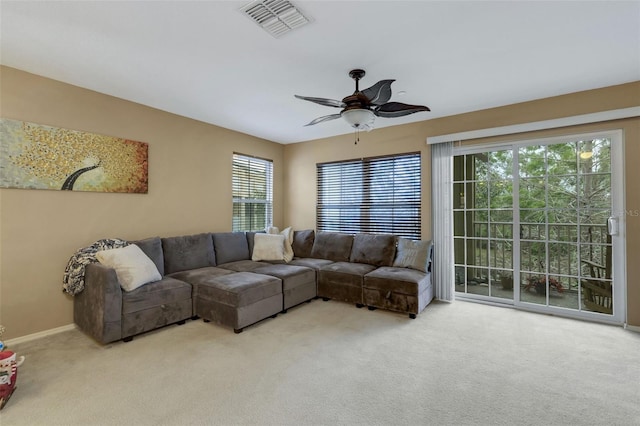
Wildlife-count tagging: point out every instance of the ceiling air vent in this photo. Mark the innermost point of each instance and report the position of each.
(276, 17)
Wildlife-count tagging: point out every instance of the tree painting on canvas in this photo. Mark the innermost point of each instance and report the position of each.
(34, 156)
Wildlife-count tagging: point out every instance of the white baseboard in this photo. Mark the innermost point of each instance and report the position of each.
(38, 335)
(632, 328)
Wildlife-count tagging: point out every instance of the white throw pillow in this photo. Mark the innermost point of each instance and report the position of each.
(288, 235)
(133, 268)
(413, 254)
(288, 241)
(268, 247)
(272, 230)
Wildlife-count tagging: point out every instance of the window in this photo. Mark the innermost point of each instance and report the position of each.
(252, 193)
(376, 195)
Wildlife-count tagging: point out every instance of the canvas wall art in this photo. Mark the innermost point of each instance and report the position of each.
(35, 156)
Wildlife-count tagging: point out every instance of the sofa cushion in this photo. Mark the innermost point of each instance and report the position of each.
(348, 268)
(374, 249)
(240, 289)
(231, 247)
(164, 292)
(413, 254)
(133, 268)
(310, 262)
(303, 242)
(187, 252)
(291, 276)
(399, 280)
(195, 276)
(152, 247)
(242, 265)
(332, 246)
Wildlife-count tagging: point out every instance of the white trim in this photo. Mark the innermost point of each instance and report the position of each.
(516, 143)
(619, 241)
(40, 334)
(459, 297)
(486, 300)
(633, 328)
(596, 117)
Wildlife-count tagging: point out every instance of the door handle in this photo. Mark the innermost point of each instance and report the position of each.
(612, 225)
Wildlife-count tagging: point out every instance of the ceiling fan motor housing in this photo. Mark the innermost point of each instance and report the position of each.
(355, 101)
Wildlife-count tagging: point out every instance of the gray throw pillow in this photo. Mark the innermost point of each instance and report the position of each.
(413, 254)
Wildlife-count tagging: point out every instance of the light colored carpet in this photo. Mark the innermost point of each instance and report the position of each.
(328, 363)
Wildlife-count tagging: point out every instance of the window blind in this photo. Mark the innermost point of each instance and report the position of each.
(252, 193)
(374, 195)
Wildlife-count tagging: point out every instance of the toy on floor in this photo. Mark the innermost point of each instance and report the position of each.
(8, 372)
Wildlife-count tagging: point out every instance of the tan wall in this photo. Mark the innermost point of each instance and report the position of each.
(300, 159)
(190, 172)
(189, 192)
(300, 167)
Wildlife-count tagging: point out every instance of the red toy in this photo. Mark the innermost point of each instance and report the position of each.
(8, 375)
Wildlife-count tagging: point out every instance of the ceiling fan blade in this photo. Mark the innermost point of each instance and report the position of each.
(323, 101)
(397, 109)
(323, 118)
(379, 93)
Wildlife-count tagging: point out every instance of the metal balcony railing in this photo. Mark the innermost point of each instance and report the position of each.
(562, 249)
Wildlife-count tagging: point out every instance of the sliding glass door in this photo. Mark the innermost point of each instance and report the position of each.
(538, 225)
(483, 223)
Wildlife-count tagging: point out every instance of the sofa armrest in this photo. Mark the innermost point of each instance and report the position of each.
(97, 310)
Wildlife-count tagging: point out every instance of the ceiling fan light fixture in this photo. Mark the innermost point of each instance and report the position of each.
(359, 118)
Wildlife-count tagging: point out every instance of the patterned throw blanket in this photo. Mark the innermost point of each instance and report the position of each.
(73, 280)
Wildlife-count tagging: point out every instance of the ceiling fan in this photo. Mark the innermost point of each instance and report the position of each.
(361, 108)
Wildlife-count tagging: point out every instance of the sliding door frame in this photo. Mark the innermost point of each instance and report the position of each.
(617, 208)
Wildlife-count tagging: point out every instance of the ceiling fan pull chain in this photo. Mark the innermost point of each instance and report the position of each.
(357, 137)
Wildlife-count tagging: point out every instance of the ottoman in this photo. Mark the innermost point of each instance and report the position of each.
(239, 299)
(298, 283)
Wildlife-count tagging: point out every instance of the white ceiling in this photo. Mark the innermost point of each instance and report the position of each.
(207, 61)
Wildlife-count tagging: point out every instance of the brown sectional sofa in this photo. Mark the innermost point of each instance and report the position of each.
(213, 276)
